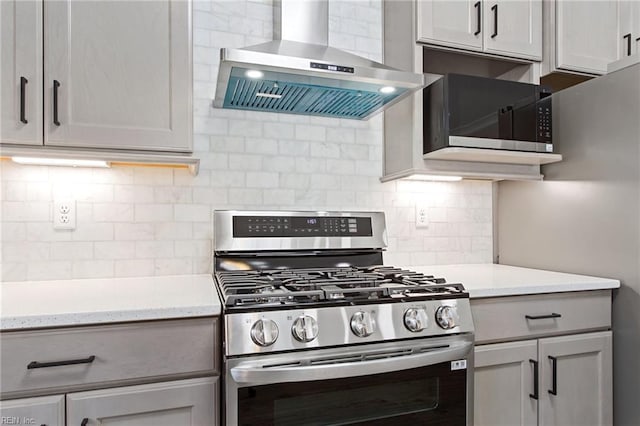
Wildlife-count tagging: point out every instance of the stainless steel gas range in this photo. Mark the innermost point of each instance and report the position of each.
(317, 331)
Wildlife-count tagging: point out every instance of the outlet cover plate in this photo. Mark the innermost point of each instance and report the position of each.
(422, 218)
(64, 214)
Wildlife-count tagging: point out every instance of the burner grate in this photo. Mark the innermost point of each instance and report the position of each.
(292, 287)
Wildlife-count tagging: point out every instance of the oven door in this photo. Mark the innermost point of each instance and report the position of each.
(426, 381)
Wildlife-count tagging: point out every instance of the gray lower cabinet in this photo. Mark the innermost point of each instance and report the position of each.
(543, 360)
(140, 373)
(503, 381)
(185, 402)
(574, 382)
(583, 380)
(44, 410)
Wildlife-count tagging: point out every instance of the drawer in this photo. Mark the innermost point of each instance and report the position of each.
(34, 360)
(505, 318)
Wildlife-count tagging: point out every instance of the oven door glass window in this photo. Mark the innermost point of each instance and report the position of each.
(433, 395)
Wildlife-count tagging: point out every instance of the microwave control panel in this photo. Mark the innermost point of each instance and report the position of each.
(544, 120)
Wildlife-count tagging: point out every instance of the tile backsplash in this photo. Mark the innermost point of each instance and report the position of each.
(139, 221)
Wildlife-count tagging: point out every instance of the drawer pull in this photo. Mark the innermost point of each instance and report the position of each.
(36, 364)
(537, 317)
(23, 90)
(84, 422)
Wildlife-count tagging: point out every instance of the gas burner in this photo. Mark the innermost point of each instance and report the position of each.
(293, 287)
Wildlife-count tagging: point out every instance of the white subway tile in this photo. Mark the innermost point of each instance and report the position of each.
(92, 232)
(58, 270)
(210, 195)
(279, 130)
(193, 248)
(174, 230)
(134, 268)
(134, 231)
(32, 211)
(71, 250)
(171, 266)
(24, 251)
(262, 146)
(153, 249)
(153, 212)
(247, 197)
(192, 213)
(262, 180)
(114, 250)
(93, 269)
(310, 133)
(245, 162)
(172, 194)
(13, 231)
(293, 148)
(111, 212)
(13, 271)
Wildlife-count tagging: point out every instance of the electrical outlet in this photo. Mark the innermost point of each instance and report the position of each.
(422, 220)
(64, 214)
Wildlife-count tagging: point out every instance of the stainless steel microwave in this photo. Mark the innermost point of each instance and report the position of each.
(478, 112)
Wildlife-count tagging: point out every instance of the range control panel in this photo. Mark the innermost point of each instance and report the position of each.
(301, 226)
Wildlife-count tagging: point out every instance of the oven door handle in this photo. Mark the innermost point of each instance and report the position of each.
(255, 373)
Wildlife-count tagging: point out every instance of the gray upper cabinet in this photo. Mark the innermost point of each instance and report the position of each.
(117, 75)
(582, 36)
(505, 28)
(21, 72)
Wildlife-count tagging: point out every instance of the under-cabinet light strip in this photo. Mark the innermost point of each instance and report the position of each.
(42, 161)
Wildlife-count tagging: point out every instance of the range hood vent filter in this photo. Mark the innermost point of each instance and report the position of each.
(303, 98)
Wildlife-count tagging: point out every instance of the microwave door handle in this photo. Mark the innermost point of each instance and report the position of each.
(505, 123)
(255, 374)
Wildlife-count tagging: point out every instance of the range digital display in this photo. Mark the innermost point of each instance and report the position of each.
(301, 226)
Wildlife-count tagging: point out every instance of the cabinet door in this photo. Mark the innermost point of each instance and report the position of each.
(504, 380)
(46, 410)
(587, 35)
(118, 74)
(21, 72)
(583, 382)
(513, 28)
(450, 23)
(185, 402)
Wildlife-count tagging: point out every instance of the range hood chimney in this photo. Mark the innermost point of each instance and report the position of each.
(298, 73)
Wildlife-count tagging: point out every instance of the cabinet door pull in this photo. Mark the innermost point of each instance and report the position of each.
(494, 8)
(534, 395)
(537, 317)
(554, 375)
(478, 18)
(56, 85)
(36, 364)
(628, 38)
(23, 103)
(84, 422)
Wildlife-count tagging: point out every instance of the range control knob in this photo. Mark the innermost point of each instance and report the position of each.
(264, 332)
(416, 319)
(363, 324)
(304, 328)
(447, 317)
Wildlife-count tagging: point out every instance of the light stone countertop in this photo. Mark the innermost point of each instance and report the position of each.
(491, 280)
(36, 304)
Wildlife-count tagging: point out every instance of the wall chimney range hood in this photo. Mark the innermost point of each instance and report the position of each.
(298, 73)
